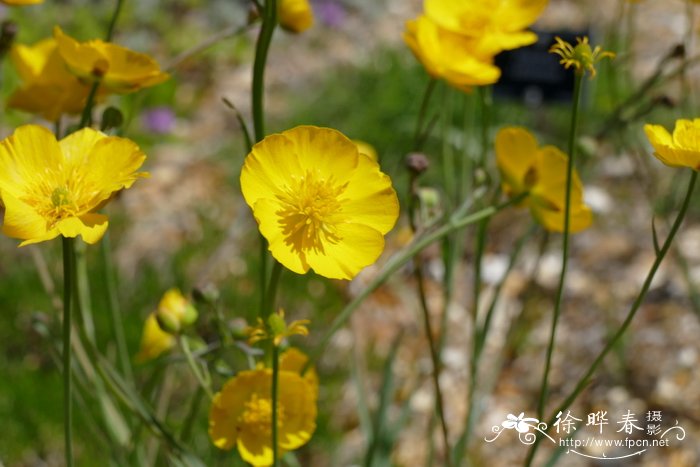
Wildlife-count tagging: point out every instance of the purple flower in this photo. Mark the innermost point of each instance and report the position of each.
(330, 12)
(159, 119)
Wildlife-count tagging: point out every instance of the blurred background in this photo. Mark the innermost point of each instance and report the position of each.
(188, 227)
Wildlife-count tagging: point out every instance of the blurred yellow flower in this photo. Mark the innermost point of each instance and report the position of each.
(580, 56)
(21, 2)
(497, 24)
(48, 89)
(295, 15)
(318, 202)
(541, 172)
(154, 341)
(51, 188)
(456, 58)
(241, 414)
(295, 360)
(682, 149)
(175, 312)
(117, 68)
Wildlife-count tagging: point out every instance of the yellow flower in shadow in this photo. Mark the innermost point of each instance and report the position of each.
(541, 173)
(682, 149)
(118, 69)
(295, 15)
(51, 188)
(320, 204)
(456, 58)
(497, 24)
(48, 89)
(154, 341)
(581, 57)
(241, 414)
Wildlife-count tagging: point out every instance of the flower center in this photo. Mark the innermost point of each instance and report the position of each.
(257, 416)
(310, 212)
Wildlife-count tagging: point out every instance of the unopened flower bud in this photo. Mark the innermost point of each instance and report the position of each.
(417, 162)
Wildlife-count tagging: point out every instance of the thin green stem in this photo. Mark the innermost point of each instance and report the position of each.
(419, 133)
(565, 244)
(113, 21)
(585, 379)
(114, 308)
(455, 222)
(275, 397)
(486, 106)
(68, 287)
(86, 117)
(194, 367)
(439, 404)
(272, 287)
(261, 49)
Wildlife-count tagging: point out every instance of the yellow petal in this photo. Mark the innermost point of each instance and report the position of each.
(516, 155)
(298, 400)
(255, 450)
(29, 151)
(89, 226)
(371, 200)
(295, 15)
(580, 218)
(154, 341)
(269, 221)
(359, 247)
(113, 161)
(21, 221)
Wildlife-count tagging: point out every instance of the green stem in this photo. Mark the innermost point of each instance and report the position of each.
(419, 133)
(86, 117)
(455, 222)
(565, 243)
(585, 379)
(272, 287)
(203, 383)
(114, 308)
(486, 105)
(113, 21)
(68, 287)
(261, 49)
(275, 392)
(439, 404)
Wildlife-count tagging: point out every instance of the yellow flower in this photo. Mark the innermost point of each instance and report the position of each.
(295, 360)
(51, 188)
(117, 68)
(295, 15)
(581, 56)
(682, 149)
(21, 2)
(154, 341)
(453, 57)
(276, 329)
(366, 149)
(497, 24)
(49, 89)
(540, 172)
(241, 414)
(175, 312)
(318, 202)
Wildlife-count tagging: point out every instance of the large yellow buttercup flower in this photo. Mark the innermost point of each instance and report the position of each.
(295, 15)
(117, 68)
(682, 149)
(541, 173)
(319, 202)
(48, 89)
(497, 24)
(241, 414)
(51, 188)
(447, 55)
